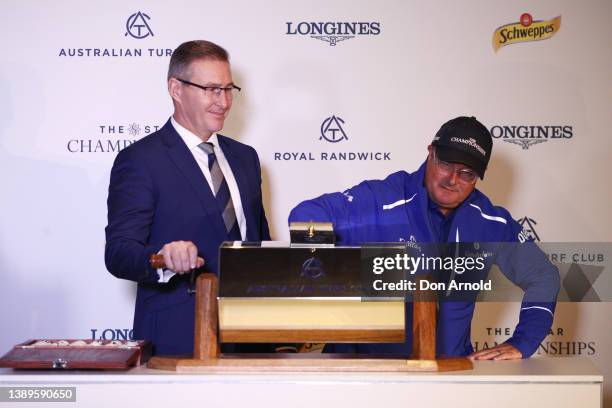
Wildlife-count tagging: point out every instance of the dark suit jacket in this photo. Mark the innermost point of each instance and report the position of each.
(158, 194)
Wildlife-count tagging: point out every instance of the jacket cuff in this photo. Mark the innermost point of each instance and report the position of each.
(526, 347)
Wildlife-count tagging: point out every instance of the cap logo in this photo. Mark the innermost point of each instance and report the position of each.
(471, 142)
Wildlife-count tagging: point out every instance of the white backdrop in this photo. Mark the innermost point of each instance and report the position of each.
(414, 66)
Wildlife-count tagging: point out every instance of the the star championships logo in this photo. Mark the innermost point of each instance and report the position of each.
(526, 136)
(525, 30)
(333, 130)
(137, 26)
(333, 32)
(112, 138)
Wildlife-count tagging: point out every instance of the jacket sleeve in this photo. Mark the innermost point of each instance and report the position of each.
(131, 205)
(524, 263)
(351, 211)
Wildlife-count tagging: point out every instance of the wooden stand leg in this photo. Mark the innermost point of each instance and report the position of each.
(424, 330)
(206, 345)
(424, 326)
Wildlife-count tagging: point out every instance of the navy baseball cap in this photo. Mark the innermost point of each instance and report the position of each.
(464, 140)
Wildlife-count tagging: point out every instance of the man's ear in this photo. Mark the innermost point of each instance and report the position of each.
(174, 89)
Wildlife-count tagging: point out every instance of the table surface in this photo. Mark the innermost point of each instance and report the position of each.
(535, 370)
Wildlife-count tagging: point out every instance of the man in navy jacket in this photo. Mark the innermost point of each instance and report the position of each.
(181, 192)
(439, 203)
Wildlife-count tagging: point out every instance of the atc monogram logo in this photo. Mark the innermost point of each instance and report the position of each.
(333, 32)
(529, 232)
(332, 130)
(525, 30)
(312, 268)
(137, 26)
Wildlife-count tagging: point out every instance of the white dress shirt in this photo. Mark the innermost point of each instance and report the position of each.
(192, 141)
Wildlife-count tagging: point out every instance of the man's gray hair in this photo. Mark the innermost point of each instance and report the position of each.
(191, 51)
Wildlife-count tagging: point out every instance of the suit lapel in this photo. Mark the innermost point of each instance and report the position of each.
(183, 159)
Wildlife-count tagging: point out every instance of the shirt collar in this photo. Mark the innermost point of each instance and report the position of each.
(190, 139)
(435, 208)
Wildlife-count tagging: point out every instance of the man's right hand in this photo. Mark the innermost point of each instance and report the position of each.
(181, 256)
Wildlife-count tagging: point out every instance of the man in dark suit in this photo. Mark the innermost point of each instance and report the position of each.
(180, 192)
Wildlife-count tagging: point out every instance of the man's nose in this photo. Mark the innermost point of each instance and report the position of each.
(452, 178)
(224, 99)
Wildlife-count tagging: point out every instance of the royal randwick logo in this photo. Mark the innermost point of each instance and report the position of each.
(525, 30)
(332, 131)
(333, 32)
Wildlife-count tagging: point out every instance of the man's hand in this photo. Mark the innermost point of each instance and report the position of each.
(502, 351)
(181, 256)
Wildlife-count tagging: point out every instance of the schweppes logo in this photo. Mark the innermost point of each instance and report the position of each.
(525, 30)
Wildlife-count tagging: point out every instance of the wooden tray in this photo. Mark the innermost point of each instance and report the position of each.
(77, 354)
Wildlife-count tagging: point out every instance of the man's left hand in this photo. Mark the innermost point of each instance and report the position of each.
(502, 351)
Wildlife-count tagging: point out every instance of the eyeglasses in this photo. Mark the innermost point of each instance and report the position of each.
(466, 175)
(214, 90)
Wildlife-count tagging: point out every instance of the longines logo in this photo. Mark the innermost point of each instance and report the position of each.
(525, 30)
(529, 231)
(112, 138)
(332, 130)
(138, 26)
(333, 32)
(526, 136)
(112, 334)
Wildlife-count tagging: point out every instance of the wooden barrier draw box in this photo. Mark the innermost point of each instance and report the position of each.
(309, 293)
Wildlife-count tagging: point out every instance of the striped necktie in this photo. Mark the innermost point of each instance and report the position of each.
(222, 193)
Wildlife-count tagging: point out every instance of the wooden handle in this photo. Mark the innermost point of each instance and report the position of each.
(157, 261)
